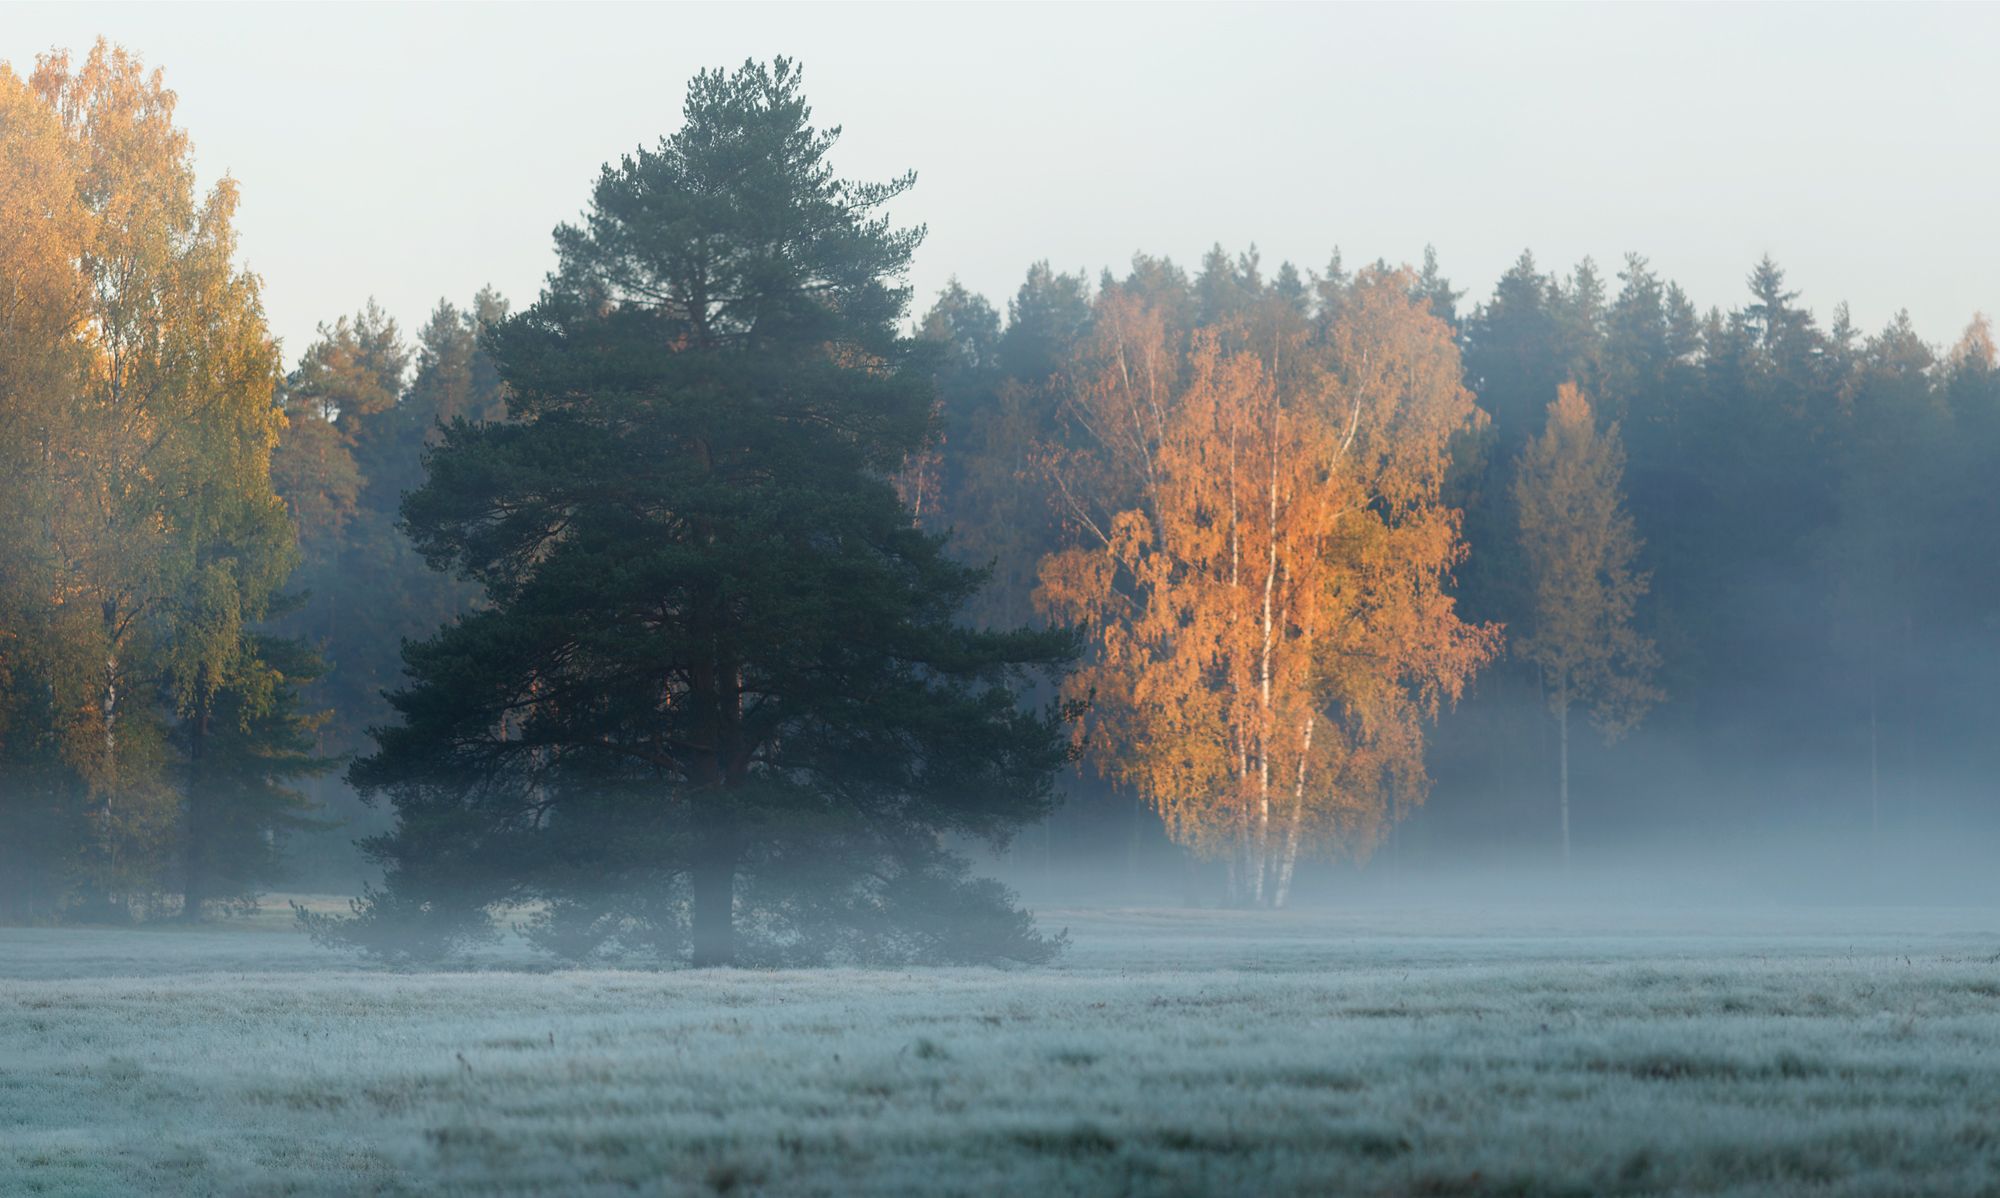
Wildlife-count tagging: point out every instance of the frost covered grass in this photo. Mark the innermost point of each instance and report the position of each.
(1433, 1053)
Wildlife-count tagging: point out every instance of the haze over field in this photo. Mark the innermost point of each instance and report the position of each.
(1163, 655)
(1379, 1051)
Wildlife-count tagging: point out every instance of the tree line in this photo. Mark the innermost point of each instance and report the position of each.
(205, 589)
(712, 608)
(1754, 533)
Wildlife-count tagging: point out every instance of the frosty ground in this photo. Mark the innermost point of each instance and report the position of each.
(1378, 1052)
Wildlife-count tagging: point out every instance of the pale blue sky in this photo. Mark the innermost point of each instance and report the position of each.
(415, 151)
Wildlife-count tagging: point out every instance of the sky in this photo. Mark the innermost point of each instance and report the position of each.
(412, 152)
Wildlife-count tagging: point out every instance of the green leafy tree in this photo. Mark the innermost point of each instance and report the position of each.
(44, 231)
(155, 537)
(717, 703)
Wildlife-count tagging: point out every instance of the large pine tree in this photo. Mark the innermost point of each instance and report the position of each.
(717, 702)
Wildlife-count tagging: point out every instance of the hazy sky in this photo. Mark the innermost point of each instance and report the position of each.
(412, 152)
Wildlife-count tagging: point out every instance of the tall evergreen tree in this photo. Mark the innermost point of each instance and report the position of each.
(1888, 549)
(1226, 288)
(717, 704)
(988, 496)
(335, 466)
(1045, 319)
(1436, 290)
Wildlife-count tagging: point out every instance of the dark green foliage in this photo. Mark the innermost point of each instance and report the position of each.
(45, 818)
(991, 495)
(717, 695)
(1165, 287)
(1812, 505)
(356, 443)
(1533, 336)
(1044, 320)
(245, 746)
(455, 379)
(359, 422)
(1436, 290)
(1225, 288)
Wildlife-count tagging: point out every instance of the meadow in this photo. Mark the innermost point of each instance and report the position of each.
(1378, 1051)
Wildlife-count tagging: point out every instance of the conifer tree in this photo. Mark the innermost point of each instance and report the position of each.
(336, 466)
(716, 706)
(247, 744)
(1436, 290)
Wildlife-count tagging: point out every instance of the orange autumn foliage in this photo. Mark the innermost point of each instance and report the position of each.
(1261, 567)
(1582, 549)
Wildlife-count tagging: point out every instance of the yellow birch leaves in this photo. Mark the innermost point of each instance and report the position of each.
(1261, 562)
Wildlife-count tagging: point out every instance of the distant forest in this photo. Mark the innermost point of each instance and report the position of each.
(1572, 557)
(1757, 553)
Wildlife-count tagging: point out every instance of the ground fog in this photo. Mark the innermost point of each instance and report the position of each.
(1414, 1052)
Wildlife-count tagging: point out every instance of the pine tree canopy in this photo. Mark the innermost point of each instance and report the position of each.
(717, 703)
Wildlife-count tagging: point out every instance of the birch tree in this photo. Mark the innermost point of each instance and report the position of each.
(1260, 567)
(152, 537)
(43, 232)
(1581, 551)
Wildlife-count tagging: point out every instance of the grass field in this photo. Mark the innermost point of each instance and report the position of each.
(1435, 1053)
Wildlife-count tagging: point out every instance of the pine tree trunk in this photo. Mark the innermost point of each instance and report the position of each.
(717, 690)
(14, 881)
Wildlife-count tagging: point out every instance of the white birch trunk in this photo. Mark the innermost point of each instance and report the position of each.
(1291, 858)
(1562, 783)
(1264, 730)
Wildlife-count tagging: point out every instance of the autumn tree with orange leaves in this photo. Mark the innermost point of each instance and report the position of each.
(1581, 549)
(149, 723)
(1260, 563)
